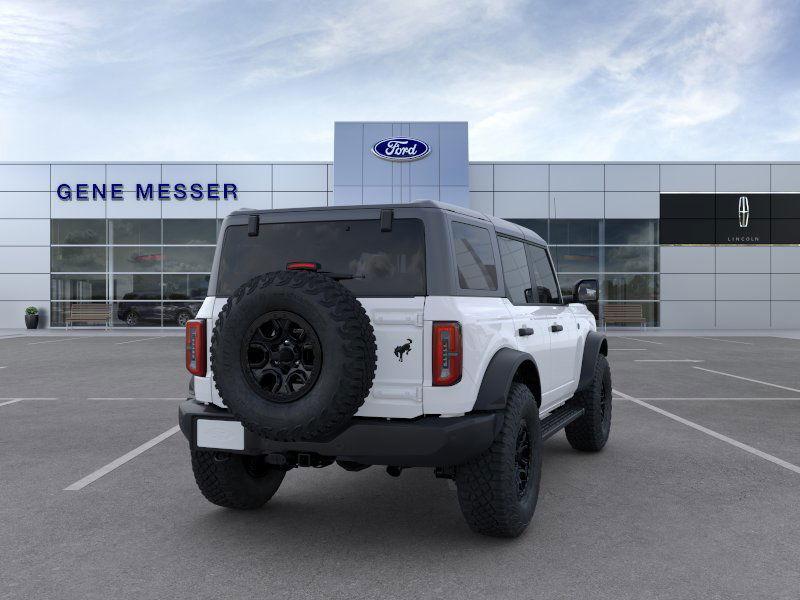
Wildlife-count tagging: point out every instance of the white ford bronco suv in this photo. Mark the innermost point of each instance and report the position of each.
(414, 335)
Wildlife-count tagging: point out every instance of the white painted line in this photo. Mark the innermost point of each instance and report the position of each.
(4, 367)
(153, 398)
(700, 337)
(85, 337)
(775, 385)
(680, 360)
(10, 402)
(92, 477)
(714, 434)
(140, 340)
(628, 349)
(640, 340)
(727, 399)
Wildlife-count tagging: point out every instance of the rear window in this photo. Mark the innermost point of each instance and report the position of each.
(392, 263)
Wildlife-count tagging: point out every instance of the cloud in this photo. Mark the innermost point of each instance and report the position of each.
(35, 41)
(544, 80)
(665, 68)
(359, 31)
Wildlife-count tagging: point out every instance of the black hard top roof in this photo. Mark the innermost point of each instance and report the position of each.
(500, 225)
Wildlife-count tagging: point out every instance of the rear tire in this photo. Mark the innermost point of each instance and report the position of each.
(590, 432)
(235, 480)
(496, 497)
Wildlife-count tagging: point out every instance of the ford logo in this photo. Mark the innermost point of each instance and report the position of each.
(401, 148)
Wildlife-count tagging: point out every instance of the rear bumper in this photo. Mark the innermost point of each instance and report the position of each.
(423, 442)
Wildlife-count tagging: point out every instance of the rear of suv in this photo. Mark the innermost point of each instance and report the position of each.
(419, 335)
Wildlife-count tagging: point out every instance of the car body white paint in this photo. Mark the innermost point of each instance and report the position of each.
(403, 389)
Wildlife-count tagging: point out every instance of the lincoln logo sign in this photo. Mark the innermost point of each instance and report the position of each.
(401, 149)
(744, 211)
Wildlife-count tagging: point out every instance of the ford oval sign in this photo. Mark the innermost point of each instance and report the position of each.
(401, 149)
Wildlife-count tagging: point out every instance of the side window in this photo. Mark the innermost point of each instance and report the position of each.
(515, 270)
(474, 257)
(543, 276)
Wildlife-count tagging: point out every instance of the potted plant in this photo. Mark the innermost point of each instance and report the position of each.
(31, 317)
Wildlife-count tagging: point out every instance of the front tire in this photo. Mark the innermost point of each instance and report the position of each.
(498, 490)
(235, 480)
(590, 432)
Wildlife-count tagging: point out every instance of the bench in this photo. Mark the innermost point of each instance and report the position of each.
(624, 314)
(89, 312)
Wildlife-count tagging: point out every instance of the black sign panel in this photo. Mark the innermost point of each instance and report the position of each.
(786, 206)
(687, 206)
(730, 219)
(687, 231)
(786, 231)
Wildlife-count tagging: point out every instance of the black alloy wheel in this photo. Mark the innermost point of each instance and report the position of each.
(282, 356)
(523, 460)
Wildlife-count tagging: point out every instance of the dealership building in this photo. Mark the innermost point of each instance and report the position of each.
(678, 245)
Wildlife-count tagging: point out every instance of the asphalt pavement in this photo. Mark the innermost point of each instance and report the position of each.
(697, 494)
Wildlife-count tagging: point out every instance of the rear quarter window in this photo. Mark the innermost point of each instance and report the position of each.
(386, 264)
(474, 257)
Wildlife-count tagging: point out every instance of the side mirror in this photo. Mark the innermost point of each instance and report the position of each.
(586, 291)
(529, 295)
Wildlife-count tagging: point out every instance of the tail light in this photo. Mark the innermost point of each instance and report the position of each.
(447, 354)
(196, 347)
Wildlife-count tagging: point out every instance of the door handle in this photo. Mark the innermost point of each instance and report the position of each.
(523, 331)
(556, 327)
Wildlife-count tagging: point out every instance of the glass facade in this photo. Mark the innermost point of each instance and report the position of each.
(622, 254)
(153, 272)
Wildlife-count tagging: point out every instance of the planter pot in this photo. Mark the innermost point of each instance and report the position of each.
(32, 321)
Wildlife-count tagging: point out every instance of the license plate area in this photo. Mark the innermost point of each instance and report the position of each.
(219, 434)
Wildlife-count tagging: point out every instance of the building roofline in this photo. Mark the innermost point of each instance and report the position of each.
(330, 162)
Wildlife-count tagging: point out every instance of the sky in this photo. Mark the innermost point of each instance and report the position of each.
(183, 80)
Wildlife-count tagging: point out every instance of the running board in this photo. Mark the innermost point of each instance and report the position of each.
(558, 419)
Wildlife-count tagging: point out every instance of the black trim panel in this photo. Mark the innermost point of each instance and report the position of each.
(424, 442)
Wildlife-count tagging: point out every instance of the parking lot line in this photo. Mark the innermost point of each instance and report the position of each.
(628, 349)
(92, 477)
(641, 340)
(71, 339)
(775, 385)
(5, 401)
(4, 367)
(148, 398)
(723, 438)
(700, 337)
(737, 398)
(140, 340)
(680, 360)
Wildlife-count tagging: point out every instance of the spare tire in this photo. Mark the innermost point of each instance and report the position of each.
(293, 355)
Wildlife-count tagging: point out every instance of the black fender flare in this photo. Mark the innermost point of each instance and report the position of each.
(596, 344)
(499, 376)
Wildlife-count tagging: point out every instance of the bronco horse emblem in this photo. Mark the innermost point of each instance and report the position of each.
(399, 351)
